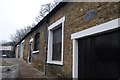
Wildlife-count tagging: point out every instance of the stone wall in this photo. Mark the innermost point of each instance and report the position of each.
(38, 59)
(74, 21)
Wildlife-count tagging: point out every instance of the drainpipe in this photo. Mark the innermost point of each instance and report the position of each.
(46, 41)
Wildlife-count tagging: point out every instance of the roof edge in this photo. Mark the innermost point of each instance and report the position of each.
(54, 10)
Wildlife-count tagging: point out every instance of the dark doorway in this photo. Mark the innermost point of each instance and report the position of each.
(30, 52)
(99, 56)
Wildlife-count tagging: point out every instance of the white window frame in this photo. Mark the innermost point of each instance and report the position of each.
(31, 40)
(50, 41)
(34, 52)
(113, 24)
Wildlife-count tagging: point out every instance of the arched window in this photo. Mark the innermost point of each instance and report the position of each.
(36, 42)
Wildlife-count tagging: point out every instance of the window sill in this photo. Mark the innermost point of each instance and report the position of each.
(34, 52)
(55, 62)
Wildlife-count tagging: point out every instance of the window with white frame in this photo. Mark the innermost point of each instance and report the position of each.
(55, 42)
(36, 43)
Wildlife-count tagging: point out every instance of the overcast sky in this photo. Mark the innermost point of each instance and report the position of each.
(16, 14)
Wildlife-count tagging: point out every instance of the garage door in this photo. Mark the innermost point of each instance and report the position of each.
(99, 56)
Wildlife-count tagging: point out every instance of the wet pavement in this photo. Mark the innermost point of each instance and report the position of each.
(26, 70)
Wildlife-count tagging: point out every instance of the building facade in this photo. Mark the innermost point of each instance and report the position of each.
(75, 40)
(6, 52)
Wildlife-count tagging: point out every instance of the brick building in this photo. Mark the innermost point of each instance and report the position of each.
(75, 40)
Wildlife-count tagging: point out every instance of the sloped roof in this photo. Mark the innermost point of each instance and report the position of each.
(59, 6)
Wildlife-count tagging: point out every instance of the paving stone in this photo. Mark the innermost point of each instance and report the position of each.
(26, 70)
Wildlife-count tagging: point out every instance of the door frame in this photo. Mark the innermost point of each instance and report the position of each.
(30, 42)
(110, 25)
(22, 49)
(17, 47)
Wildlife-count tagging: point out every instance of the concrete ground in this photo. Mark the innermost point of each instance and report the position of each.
(26, 70)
